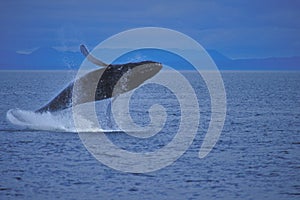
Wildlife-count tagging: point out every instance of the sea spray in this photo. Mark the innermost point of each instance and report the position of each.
(41, 121)
(59, 121)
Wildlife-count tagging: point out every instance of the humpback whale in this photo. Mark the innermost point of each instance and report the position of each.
(102, 83)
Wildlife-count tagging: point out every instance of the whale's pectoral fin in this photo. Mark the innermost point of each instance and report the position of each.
(91, 58)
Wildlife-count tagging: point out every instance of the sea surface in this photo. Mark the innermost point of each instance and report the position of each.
(256, 157)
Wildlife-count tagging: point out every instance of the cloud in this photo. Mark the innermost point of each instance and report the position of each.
(27, 51)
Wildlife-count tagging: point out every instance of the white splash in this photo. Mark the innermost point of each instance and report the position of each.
(60, 121)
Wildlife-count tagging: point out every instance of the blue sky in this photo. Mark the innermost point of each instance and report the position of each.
(238, 29)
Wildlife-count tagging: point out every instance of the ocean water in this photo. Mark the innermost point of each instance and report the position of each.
(256, 157)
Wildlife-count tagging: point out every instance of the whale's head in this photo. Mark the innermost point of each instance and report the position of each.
(131, 75)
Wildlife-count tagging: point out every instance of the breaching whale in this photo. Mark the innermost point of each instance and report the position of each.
(103, 83)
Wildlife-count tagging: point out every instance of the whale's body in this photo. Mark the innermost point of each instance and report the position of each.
(103, 83)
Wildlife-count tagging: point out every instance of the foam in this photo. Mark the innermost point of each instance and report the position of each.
(60, 121)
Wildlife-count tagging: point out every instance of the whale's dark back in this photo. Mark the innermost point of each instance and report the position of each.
(97, 85)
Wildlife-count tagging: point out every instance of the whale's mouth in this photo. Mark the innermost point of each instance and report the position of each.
(136, 76)
(149, 69)
(144, 71)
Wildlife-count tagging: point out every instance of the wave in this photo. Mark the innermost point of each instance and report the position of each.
(58, 122)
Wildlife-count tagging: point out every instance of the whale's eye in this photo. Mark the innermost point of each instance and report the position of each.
(109, 67)
(120, 68)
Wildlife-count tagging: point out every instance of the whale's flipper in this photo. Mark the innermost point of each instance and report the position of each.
(91, 58)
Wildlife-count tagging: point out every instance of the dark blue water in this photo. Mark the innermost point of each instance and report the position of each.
(256, 157)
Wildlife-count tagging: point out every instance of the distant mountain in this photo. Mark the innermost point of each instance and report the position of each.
(272, 63)
(51, 59)
(283, 63)
(41, 59)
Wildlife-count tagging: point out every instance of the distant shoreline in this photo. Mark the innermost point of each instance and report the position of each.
(180, 70)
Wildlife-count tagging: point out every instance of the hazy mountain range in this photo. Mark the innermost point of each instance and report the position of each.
(52, 59)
